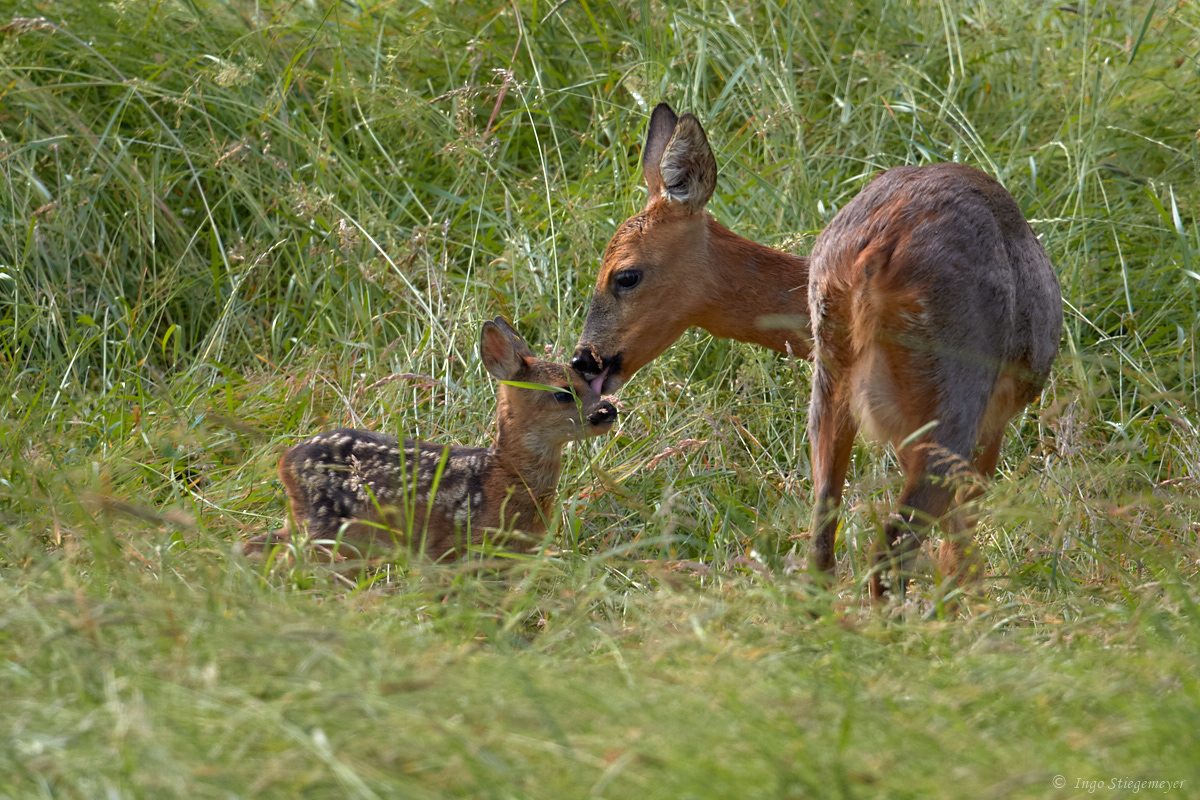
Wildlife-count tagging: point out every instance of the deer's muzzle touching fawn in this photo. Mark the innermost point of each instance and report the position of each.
(357, 490)
(934, 311)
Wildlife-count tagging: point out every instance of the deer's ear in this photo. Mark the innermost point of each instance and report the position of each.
(662, 125)
(687, 169)
(501, 350)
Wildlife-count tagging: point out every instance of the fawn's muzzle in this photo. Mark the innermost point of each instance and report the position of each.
(605, 414)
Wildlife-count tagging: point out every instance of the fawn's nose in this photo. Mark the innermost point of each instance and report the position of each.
(584, 362)
(605, 414)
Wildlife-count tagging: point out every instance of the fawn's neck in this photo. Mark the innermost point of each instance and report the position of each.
(760, 295)
(530, 465)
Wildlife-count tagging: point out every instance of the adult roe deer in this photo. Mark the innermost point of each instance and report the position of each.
(362, 487)
(934, 317)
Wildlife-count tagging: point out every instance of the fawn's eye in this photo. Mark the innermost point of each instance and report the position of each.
(628, 278)
(564, 397)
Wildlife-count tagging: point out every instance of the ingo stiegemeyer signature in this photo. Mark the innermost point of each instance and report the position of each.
(1133, 785)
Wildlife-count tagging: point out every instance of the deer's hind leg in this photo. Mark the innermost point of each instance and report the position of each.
(957, 555)
(924, 501)
(936, 463)
(831, 432)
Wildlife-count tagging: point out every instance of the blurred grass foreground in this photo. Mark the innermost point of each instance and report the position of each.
(227, 225)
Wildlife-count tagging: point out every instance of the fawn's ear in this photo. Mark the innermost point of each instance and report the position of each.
(503, 351)
(518, 342)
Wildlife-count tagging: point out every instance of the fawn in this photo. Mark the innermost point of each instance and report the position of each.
(363, 488)
(933, 309)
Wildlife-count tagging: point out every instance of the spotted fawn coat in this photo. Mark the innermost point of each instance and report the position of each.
(368, 490)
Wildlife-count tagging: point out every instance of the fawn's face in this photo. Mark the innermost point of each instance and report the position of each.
(573, 411)
(569, 409)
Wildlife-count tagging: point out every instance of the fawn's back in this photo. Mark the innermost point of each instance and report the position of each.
(364, 486)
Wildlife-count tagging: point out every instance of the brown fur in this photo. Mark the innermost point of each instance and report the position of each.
(928, 300)
(936, 317)
(695, 271)
(361, 489)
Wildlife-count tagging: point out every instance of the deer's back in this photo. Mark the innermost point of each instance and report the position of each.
(942, 256)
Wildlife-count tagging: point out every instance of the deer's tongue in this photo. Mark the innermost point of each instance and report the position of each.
(597, 383)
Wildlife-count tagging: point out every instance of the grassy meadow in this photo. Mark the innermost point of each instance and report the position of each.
(228, 225)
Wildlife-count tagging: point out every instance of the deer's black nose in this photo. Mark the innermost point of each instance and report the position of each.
(584, 362)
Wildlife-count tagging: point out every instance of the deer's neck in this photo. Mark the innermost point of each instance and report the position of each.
(759, 295)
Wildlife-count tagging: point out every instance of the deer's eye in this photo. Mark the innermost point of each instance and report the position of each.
(564, 397)
(628, 278)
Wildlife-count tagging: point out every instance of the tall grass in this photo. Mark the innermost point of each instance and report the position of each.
(227, 225)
